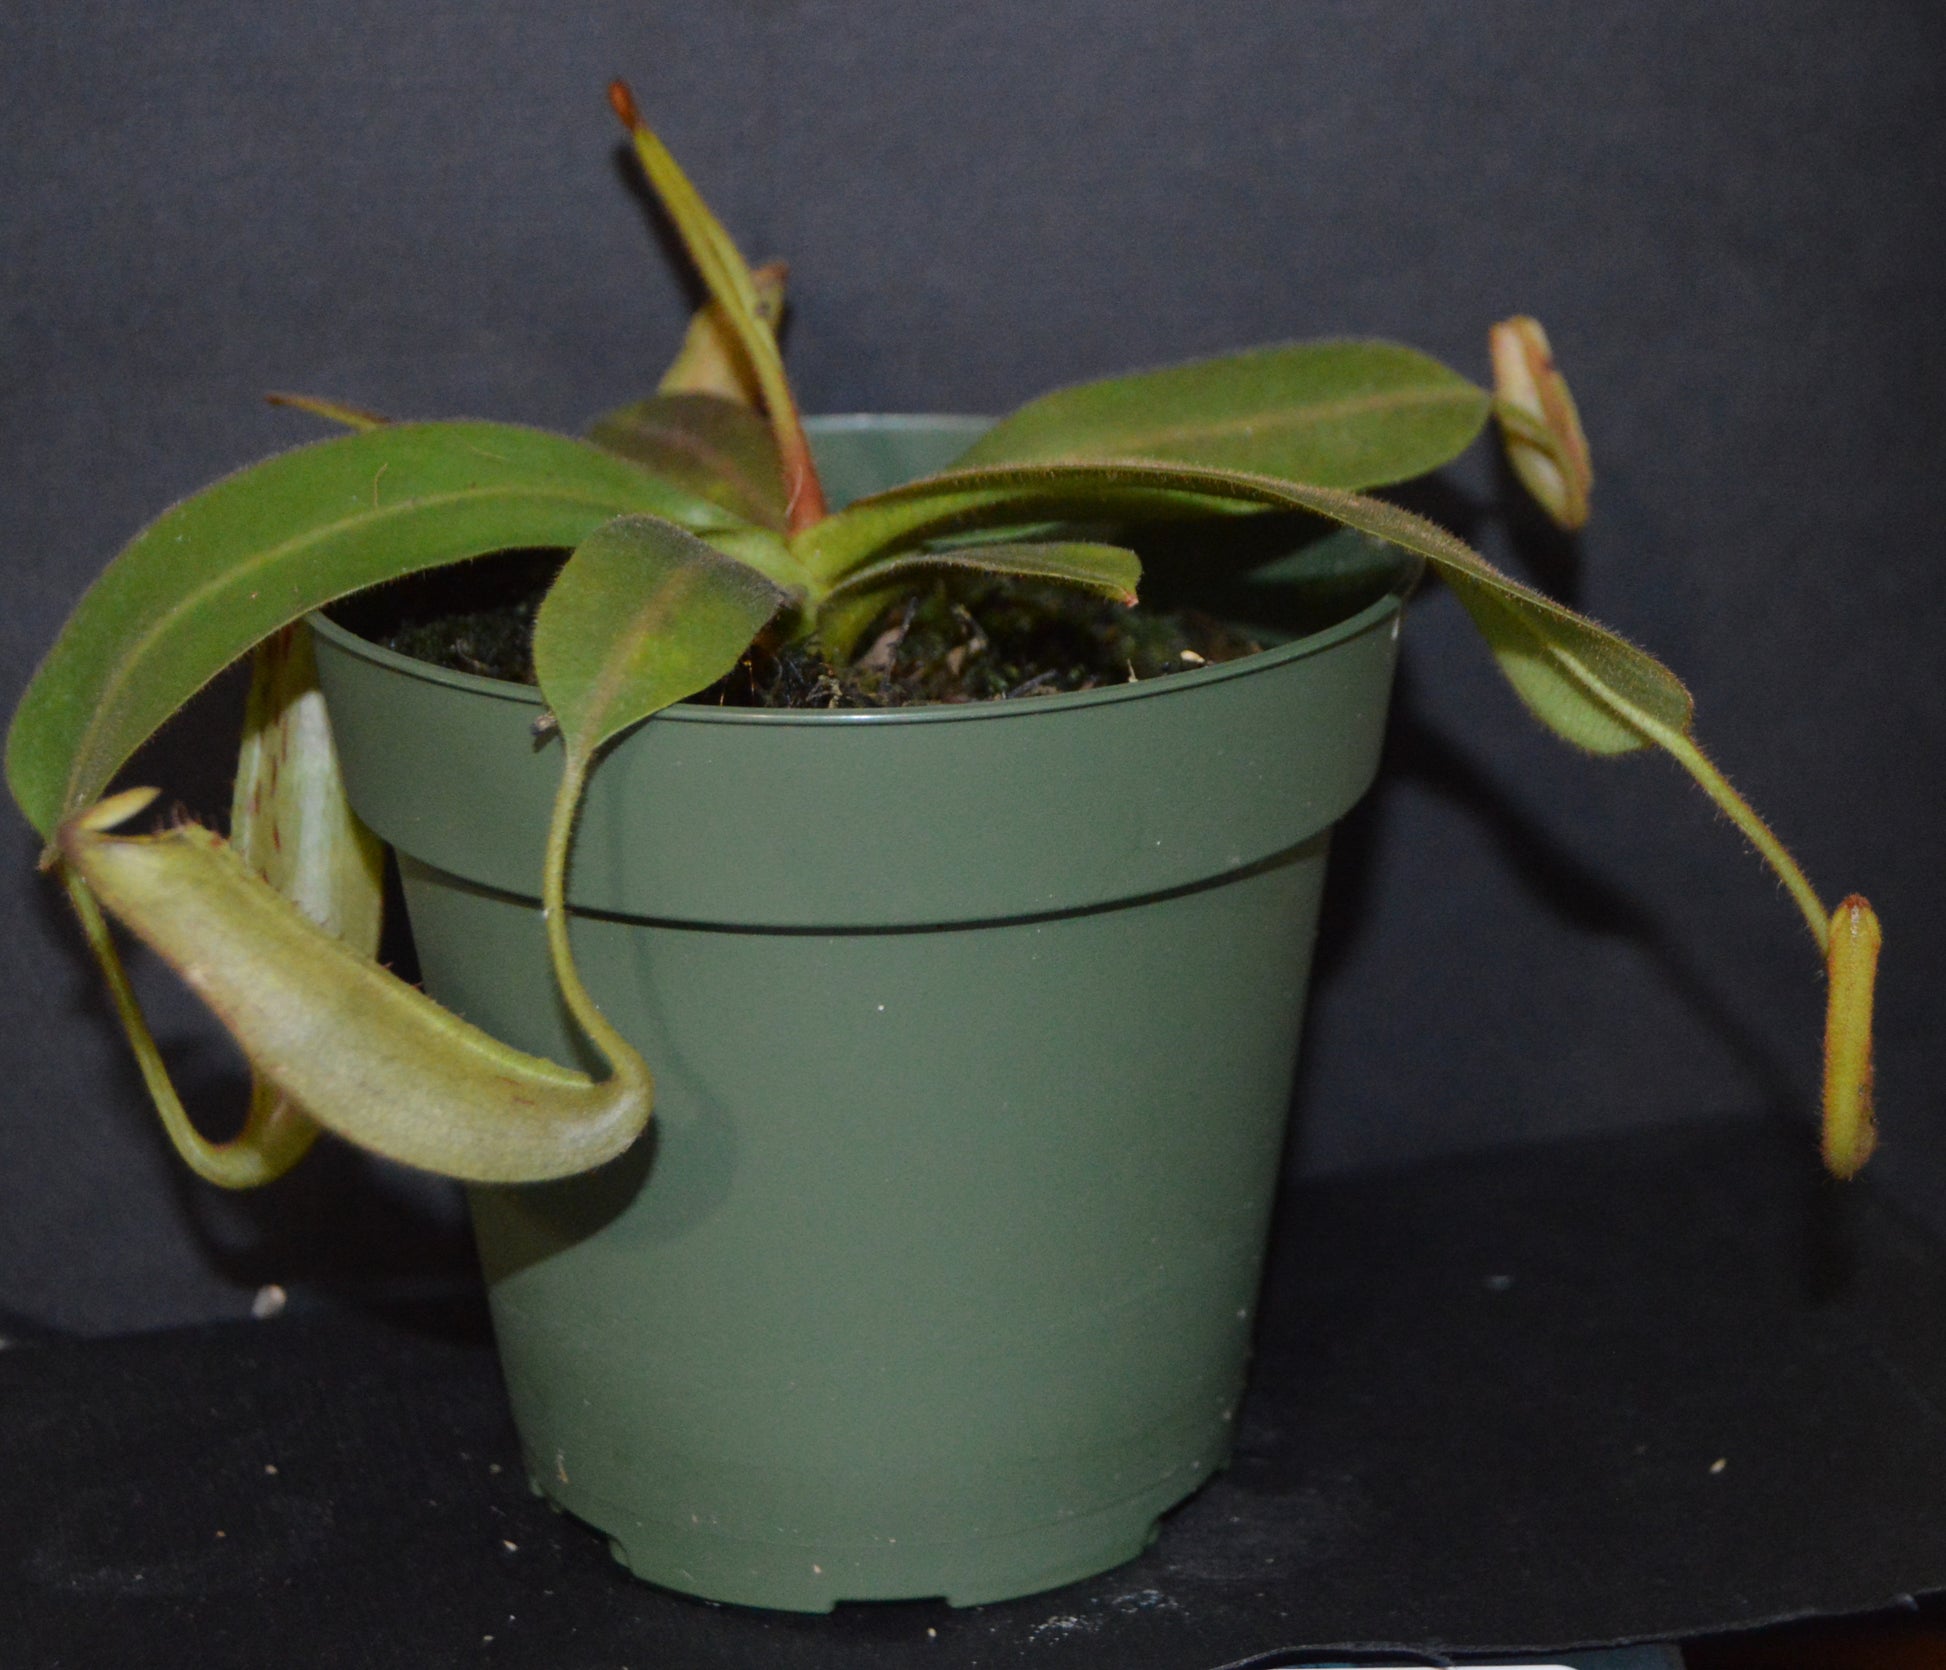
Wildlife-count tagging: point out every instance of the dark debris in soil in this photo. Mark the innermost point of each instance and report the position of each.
(964, 638)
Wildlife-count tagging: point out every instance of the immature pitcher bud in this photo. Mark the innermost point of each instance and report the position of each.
(1538, 421)
(711, 361)
(1851, 965)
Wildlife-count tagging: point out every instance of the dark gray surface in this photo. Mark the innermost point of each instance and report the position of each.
(1729, 219)
(1731, 1408)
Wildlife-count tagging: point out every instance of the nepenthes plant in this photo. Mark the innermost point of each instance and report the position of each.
(695, 524)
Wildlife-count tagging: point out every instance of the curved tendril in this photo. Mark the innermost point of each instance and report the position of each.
(275, 1135)
(622, 1058)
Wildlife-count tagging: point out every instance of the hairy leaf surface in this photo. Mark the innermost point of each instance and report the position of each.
(228, 567)
(642, 615)
(1564, 666)
(713, 447)
(1335, 414)
(1105, 568)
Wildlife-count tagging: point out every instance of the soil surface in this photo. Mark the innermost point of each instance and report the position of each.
(964, 638)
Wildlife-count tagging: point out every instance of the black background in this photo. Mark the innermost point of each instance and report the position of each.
(1729, 218)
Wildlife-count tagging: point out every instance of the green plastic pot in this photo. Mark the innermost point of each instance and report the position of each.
(973, 1031)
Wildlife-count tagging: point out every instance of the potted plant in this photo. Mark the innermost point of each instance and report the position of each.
(973, 1022)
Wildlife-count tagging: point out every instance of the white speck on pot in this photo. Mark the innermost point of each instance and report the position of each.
(510, 1547)
(270, 1301)
(270, 1467)
(1719, 1464)
(1499, 1284)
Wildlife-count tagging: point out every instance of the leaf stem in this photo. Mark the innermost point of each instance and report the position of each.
(621, 1056)
(1683, 748)
(1691, 758)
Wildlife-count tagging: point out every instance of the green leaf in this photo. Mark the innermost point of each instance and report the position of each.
(1106, 568)
(1552, 665)
(1579, 678)
(735, 289)
(1026, 501)
(851, 605)
(363, 1053)
(1335, 414)
(228, 567)
(715, 448)
(642, 616)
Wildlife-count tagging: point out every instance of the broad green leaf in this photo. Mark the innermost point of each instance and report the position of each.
(851, 605)
(1579, 678)
(366, 1055)
(1027, 502)
(710, 446)
(727, 276)
(712, 359)
(1335, 414)
(641, 616)
(228, 567)
(1551, 665)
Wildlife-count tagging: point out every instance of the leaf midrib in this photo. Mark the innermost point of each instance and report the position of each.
(1283, 416)
(162, 625)
(613, 677)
